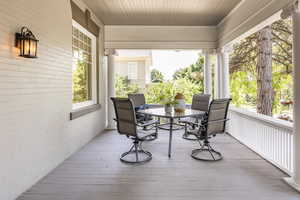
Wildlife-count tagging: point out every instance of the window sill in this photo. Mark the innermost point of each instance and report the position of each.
(83, 111)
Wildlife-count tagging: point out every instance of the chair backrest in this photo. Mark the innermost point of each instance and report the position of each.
(137, 99)
(217, 116)
(125, 116)
(201, 102)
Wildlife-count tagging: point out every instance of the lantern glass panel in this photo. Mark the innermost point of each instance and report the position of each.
(21, 46)
(26, 50)
(32, 48)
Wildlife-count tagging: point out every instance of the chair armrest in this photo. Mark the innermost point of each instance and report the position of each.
(214, 121)
(148, 123)
(126, 121)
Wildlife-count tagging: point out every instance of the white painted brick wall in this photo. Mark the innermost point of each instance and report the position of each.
(35, 96)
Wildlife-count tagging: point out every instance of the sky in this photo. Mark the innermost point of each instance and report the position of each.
(168, 61)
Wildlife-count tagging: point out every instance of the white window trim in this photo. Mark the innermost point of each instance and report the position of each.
(134, 75)
(93, 70)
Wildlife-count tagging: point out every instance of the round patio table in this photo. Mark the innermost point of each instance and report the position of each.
(160, 112)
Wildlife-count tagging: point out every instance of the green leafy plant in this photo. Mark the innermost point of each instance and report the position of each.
(162, 93)
(123, 87)
(156, 76)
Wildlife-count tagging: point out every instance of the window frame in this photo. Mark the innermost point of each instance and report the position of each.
(130, 68)
(93, 71)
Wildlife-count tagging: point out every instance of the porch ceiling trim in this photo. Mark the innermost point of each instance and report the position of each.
(160, 37)
(159, 45)
(246, 16)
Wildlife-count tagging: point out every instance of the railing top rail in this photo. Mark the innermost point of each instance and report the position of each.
(263, 118)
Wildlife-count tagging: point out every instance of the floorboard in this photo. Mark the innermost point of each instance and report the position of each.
(95, 173)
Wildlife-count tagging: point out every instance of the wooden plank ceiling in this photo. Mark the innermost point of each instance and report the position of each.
(161, 12)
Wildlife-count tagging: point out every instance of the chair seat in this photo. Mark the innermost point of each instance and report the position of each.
(193, 131)
(189, 120)
(148, 123)
(127, 125)
(142, 135)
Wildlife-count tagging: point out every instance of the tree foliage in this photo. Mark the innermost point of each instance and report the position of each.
(187, 81)
(80, 83)
(193, 73)
(246, 52)
(243, 67)
(123, 87)
(165, 92)
(156, 76)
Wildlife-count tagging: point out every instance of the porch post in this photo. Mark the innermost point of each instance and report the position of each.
(207, 73)
(110, 53)
(293, 10)
(225, 72)
(218, 75)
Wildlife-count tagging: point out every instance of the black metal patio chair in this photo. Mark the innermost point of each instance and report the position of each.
(127, 125)
(212, 124)
(139, 103)
(199, 102)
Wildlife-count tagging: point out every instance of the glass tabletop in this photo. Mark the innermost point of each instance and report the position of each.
(160, 112)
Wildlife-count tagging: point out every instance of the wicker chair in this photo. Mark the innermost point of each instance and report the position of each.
(139, 103)
(127, 125)
(212, 124)
(199, 102)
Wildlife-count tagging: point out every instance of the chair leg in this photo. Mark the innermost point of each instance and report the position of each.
(206, 152)
(154, 135)
(137, 151)
(185, 131)
(156, 130)
(186, 134)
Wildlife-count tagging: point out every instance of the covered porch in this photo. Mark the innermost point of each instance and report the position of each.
(54, 146)
(95, 172)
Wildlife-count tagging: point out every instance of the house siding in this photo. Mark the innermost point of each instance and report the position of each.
(36, 134)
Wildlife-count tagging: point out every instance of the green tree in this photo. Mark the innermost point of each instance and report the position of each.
(80, 83)
(123, 87)
(158, 93)
(156, 76)
(252, 55)
(193, 73)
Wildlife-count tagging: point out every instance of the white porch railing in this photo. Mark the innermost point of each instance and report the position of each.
(270, 138)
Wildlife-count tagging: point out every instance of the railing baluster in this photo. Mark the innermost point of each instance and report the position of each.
(272, 141)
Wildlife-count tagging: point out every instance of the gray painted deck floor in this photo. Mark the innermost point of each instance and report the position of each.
(95, 173)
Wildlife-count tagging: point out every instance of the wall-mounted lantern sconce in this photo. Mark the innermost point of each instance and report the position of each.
(27, 43)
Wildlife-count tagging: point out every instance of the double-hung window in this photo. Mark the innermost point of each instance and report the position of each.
(84, 73)
(132, 70)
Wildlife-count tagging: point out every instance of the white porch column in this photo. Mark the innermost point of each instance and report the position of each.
(110, 53)
(207, 73)
(294, 11)
(221, 86)
(225, 72)
(218, 76)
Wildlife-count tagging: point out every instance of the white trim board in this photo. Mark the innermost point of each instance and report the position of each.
(239, 22)
(278, 123)
(160, 37)
(160, 45)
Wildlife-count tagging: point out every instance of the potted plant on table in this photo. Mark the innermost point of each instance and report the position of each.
(168, 104)
(167, 95)
(179, 103)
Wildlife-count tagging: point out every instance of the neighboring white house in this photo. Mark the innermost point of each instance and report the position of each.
(135, 65)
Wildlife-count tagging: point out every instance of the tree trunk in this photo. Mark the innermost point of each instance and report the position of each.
(265, 92)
